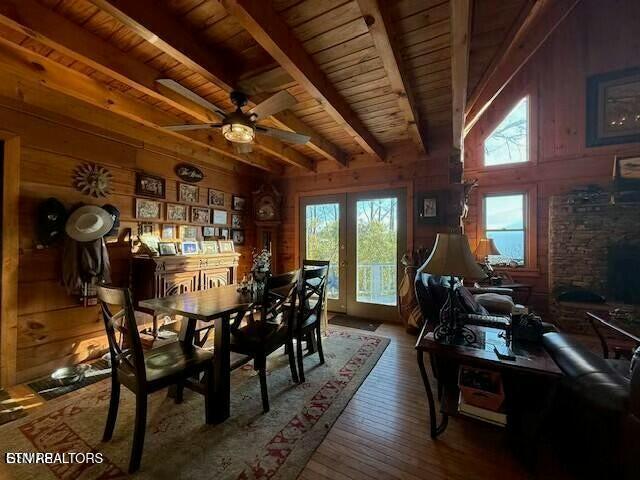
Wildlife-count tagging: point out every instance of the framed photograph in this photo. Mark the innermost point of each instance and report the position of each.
(237, 221)
(167, 248)
(220, 217)
(189, 173)
(201, 215)
(168, 231)
(150, 185)
(145, 228)
(188, 193)
(208, 231)
(148, 209)
(209, 247)
(626, 171)
(189, 248)
(222, 233)
(238, 203)
(226, 246)
(613, 107)
(177, 212)
(188, 232)
(216, 198)
(237, 236)
(429, 207)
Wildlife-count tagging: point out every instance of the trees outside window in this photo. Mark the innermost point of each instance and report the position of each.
(509, 142)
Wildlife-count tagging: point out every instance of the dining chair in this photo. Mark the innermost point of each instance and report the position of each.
(311, 299)
(260, 335)
(145, 371)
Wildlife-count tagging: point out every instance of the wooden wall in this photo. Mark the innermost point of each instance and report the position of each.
(596, 38)
(53, 329)
(418, 174)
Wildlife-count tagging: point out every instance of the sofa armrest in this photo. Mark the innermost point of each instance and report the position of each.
(498, 290)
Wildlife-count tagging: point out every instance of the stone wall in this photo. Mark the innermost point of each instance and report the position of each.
(582, 226)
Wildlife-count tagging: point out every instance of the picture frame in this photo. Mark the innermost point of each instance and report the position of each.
(167, 248)
(237, 237)
(189, 173)
(145, 228)
(189, 248)
(613, 103)
(148, 209)
(177, 212)
(168, 231)
(209, 247)
(208, 231)
(222, 233)
(216, 197)
(238, 203)
(220, 217)
(237, 221)
(148, 185)
(151, 242)
(226, 246)
(201, 215)
(188, 193)
(429, 208)
(188, 232)
(626, 171)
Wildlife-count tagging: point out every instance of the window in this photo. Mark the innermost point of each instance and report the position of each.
(509, 142)
(504, 222)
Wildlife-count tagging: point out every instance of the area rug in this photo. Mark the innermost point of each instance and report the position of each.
(48, 388)
(355, 322)
(178, 445)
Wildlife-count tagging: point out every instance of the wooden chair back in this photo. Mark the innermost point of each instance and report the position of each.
(129, 348)
(279, 301)
(312, 290)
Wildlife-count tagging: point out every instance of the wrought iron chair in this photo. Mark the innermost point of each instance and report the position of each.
(144, 372)
(259, 336)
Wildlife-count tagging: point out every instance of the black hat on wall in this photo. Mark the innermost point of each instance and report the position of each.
(115, 214)
(51, 219)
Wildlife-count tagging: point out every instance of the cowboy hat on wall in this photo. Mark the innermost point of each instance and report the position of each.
(89, 223)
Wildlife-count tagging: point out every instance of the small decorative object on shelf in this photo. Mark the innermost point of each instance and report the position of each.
(261, 268)
(92, 180)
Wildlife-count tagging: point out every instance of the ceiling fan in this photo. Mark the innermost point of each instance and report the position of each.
(240, 127)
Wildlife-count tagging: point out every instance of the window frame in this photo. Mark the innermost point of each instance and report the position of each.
(530, 199)
(532, 133)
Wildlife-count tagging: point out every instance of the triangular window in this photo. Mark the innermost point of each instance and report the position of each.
(509, 142)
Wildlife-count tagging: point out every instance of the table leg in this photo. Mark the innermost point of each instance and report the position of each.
(433, 417)
(188, 331)
(222, 369)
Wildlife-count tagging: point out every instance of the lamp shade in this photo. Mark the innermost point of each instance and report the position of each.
(486, 247)
(451, 255)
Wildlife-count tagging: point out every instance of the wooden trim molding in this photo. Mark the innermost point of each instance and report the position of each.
(10, 254)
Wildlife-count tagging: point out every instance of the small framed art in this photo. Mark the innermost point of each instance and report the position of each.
(189, 248)
(226, 246)
(188, 232)
(150, 185)
(237, 236)
(168, 231)
(177, 212)
(216, 198)
(148, 209)
(209, 247)
(145, 228)
(237, 221)
(220, 217)
(429, 207)
(238, 203)
(222, 233)
(167, 248)
(201, 215)
(188, 193)
(208, 231)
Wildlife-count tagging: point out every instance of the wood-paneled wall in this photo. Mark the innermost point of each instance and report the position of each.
(53, 328)
(416, 173)
(597, 37)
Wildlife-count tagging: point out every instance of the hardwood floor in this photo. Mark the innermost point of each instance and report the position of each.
(383, 432)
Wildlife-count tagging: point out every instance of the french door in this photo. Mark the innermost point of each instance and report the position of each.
(363, 235)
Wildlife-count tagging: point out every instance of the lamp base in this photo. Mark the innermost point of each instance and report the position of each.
(454, 334)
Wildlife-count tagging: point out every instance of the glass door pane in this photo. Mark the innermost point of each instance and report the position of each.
(322, 241)
(377, 251)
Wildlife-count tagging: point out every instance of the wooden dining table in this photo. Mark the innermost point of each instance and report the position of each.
(221, 306)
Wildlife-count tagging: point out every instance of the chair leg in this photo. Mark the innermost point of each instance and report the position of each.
(209, 397)
(113, 409)
(138, 433)
(262, 373)
(319, 337)
(180, 392)
(300, 362)
(292, 361)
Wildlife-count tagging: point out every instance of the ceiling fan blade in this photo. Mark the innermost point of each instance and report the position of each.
(291, 137)
(194, 97)
(274, 104)
(242, 147)
(186, 127)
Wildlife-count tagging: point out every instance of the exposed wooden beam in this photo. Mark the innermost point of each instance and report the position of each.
(159, 27)
(382, 31)
(269, 29)
(460, 39)
(536, 24)
(25, 63)
(53, 30)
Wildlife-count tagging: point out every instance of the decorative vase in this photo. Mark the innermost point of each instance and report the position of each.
(260, 280)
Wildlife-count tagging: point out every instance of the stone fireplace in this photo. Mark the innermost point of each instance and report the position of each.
(594, 244)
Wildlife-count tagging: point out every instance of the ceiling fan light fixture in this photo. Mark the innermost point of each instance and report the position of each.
(238, 132)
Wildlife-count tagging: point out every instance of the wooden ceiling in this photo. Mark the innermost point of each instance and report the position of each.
(365, 74)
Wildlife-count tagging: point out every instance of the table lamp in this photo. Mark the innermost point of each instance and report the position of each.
(486, 247)
(451, 256)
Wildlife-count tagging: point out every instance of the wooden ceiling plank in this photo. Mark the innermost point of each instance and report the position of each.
(271, 31)
(384, 38)
(534, 26)
(460, 40)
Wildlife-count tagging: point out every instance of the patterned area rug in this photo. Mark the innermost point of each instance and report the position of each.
(178, 444)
